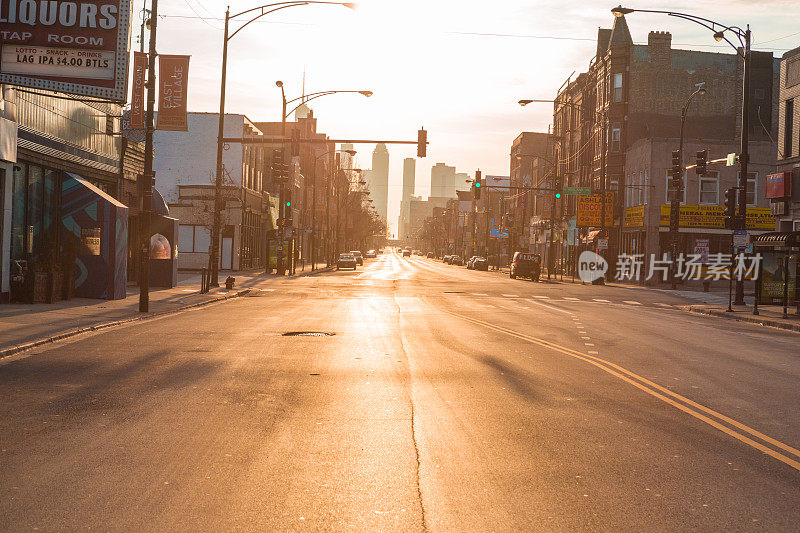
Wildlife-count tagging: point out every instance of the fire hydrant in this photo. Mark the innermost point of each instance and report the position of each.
(229, 281)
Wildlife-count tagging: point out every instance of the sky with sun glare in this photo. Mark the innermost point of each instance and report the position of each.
(456, 67)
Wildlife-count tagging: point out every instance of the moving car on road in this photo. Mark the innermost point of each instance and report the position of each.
(446, 259)
(346, 260)
(406, 253)
(456, 260)
(370, 254)
(429, 255)
(480, 263)
(358, 256)
(526, 265)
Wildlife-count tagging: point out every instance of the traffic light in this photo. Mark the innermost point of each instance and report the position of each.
(730, 207)
(558, 196)
(677, 171)
(422, 143)
(277, 164)
(702, 162)
(288, 203)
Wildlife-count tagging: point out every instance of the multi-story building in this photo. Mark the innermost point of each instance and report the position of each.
(378, 180)
(531, 166)
(409, 170)
(616, 125)
(786, 204)
(443, 181)
(185, 171)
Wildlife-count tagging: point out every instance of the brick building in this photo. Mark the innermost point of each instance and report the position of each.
(616, 125)
(787, 208)
(530, 160)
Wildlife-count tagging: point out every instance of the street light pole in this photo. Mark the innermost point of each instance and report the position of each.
(678, 187)
(147, 186)
(257, 13)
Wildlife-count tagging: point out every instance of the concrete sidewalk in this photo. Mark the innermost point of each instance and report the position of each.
(23, 326)
(768, 315)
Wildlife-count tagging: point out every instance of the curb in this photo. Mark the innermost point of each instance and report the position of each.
(105, 325)
(740, 318)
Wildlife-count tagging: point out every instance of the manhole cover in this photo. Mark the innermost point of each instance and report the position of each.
(308, 334)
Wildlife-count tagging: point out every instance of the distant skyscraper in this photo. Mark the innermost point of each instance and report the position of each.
(443, 181)
(461, 181)
(409, 170)
(379, 180)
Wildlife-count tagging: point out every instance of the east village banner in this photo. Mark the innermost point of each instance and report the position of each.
(173, 73)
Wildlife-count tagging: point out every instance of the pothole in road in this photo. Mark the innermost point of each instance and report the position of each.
(308, 334)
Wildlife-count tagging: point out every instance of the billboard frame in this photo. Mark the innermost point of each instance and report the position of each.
(116, 94)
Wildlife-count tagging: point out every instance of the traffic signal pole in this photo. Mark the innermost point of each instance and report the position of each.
(744, 155)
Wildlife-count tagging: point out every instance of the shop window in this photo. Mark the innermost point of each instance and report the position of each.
(709, 189)
(193, 239)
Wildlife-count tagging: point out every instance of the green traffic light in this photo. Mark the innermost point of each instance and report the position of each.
(558, 195)
(288, 204)
(477, 184)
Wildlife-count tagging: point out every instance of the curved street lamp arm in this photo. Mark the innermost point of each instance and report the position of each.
(243, 26)
(314, 96)
(284, 4)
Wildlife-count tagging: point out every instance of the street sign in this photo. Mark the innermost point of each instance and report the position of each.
(701, 249)
(602, 244)
(579, 191)
(740, 238)
(730, 160)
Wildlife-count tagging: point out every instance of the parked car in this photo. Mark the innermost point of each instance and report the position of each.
(359, 257)
(471, 261)
(446, 259)
(406, 253)
(456, 260)
(429, 255)
(526, 265)
(346, 260)
(370, 254)
(480, 263)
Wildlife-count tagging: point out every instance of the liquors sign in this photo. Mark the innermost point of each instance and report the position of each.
(73, 47)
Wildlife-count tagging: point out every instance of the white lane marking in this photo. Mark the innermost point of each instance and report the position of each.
(632, 302)
(664, 305)
(592, 352)
(588, 344)
(571, 299)
(479, 294)
(540, 297)
(586, 338)
(553, 308)
(599, 300)
(510, 295)
(582, 333)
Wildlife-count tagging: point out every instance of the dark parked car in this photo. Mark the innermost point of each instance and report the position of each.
(406, 253)
(480, 263)
(429, 255)
(358, 256)
(526, 265)
(346, 261)
(446, 259)
(456, 260)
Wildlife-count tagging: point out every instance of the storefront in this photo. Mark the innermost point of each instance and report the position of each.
(777, 284)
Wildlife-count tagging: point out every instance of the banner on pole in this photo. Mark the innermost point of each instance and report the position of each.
(173, 74)
(136, 121)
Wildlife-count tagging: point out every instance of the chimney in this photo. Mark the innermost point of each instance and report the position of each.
(660, 44)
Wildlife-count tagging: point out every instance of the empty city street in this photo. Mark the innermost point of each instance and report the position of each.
(446, 400)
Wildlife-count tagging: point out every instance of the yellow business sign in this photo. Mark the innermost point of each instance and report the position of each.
(712, 216)
(634, 217)
(590, 207)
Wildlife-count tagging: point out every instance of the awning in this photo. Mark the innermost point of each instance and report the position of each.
(783, 239)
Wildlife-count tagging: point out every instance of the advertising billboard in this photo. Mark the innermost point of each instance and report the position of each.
(712, 216)
(76, 47)
(590, 207)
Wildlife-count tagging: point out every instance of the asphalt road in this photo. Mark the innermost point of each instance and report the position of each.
(447, 400)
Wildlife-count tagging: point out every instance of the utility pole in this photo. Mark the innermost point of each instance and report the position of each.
(744, 155)
(149, 176)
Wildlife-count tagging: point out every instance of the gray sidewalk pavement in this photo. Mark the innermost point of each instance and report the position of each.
(768, 315)
(25, 325)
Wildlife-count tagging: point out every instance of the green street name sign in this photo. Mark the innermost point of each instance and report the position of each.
(579, 191)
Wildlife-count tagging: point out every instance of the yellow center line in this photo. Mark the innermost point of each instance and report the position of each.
(648, 387)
